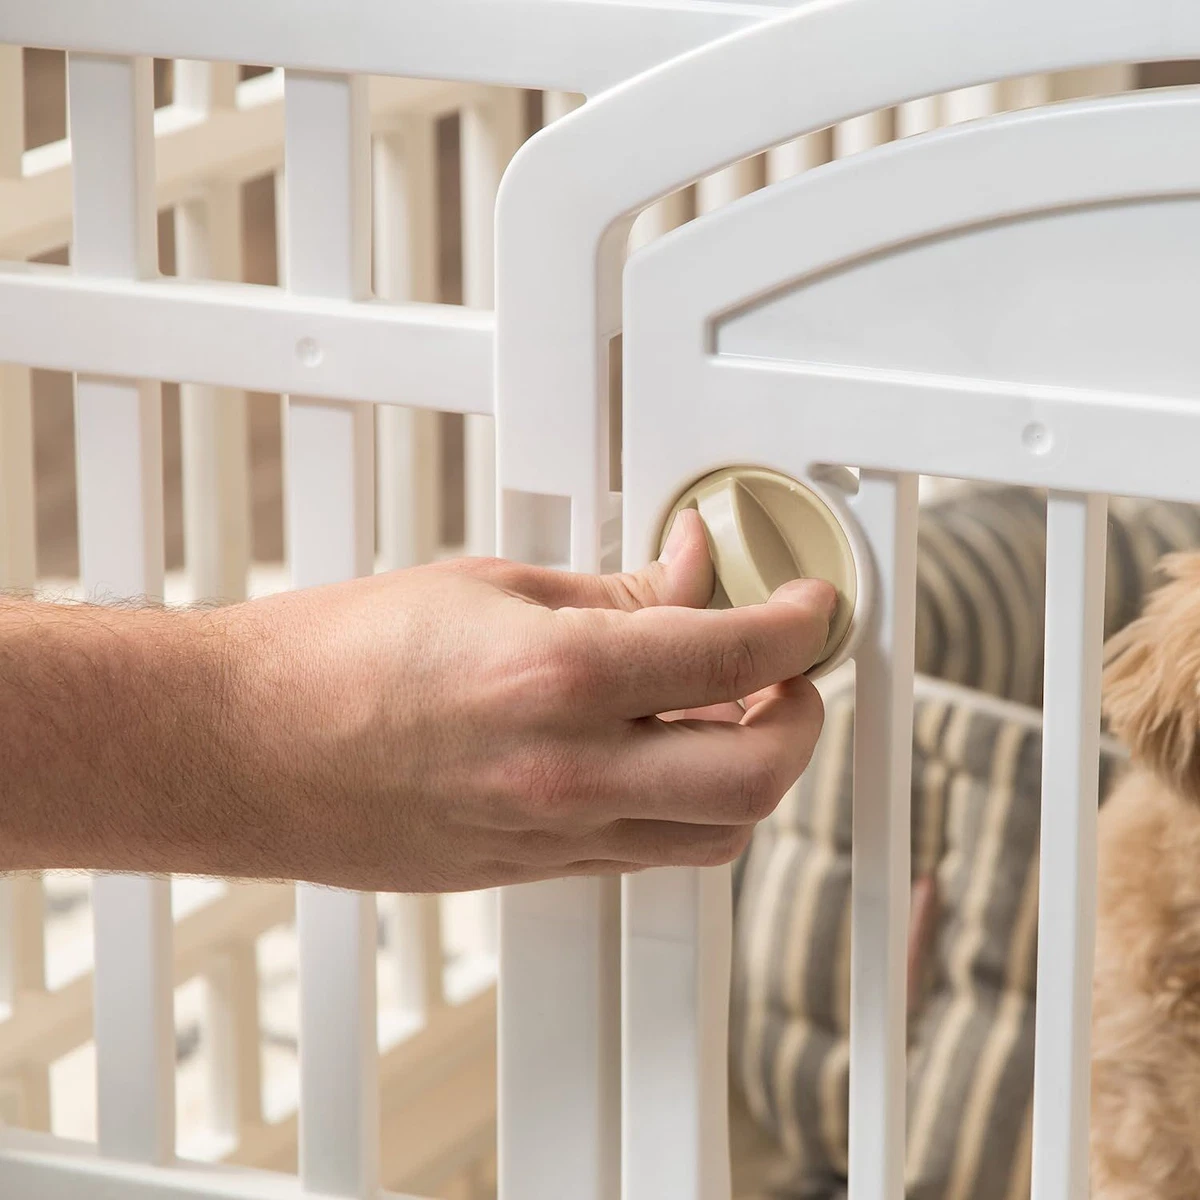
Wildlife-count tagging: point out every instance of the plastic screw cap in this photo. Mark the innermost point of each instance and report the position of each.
(764, 529)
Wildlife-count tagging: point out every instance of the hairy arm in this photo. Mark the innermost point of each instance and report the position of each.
(117, 738)
(458, 726)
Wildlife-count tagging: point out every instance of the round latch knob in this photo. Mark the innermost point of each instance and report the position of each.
(764, 529)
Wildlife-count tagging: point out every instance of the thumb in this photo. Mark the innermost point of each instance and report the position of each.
(682, 576)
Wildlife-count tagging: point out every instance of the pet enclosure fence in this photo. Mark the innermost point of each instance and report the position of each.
(719, 326)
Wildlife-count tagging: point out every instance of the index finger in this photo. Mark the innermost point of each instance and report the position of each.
(665, 659)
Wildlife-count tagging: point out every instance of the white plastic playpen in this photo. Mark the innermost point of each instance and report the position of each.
(972, 302)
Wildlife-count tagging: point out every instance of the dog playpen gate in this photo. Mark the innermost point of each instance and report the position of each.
(732, 354)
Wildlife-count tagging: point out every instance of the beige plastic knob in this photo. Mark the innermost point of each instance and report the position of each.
(764, 529)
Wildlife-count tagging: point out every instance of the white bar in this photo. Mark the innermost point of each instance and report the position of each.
(1029, 91)
(668, 213)
(231, 986)
(12, 111)
(969, 104)
(728, 185)
(556, 105)
(491, 131)
(205, 86)
(216, 468)
(330, 509)
(1076, 547)
(1093, 81)
(48, 1168)
(434, 356)
(18, 543)
(23, 951)
(918, 116)
(415, 937)
(406, 262)
(118, 436)
(559, 1040)
(232, 144)
(17, 538)
(886, 506)
(862, 133)
(677, 936)
(799, 155)
(585, 46)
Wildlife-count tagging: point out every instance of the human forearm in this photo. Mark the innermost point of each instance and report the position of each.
(455, 726)
(113, 737)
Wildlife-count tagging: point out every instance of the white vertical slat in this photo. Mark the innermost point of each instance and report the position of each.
(12, 111)
(231, 1001)
(861, 133)
(918, 116)
(886, 506)
(23, 952)
(969, 104)
(415, 936)
(799, 155)
(119, 450)
(18, 553)
(17, 540)
(281, 273)
(1029, 91)
(22, 978)
(556, 105)
(1076, 546)
(330, 509)
(735, 181)
(405, 247)
(1094, 81)
(668, 213)
(559, 1040)
(677, 931)
(216, 470)
(491, 132)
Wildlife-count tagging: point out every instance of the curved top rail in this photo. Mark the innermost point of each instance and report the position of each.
(570, 191)
(568, 45)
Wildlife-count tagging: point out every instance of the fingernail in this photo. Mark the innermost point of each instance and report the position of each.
(815, 592)
(674, 540)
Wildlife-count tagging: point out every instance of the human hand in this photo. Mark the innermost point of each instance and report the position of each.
(478, 722)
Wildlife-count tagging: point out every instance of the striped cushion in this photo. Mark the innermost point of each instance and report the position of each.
(976, 770)
(981, 579)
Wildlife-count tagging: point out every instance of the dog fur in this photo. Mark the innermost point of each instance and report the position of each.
(1145, 1139)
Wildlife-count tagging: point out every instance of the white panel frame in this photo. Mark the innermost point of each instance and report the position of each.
(582, 46)
(564, 213)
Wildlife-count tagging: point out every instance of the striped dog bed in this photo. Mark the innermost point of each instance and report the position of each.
(976, 811)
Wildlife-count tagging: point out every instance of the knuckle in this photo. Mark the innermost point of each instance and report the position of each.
(633, 590)
(735, 667)
(572, 662)
(726, 847)
(757, 789)
(546, 784)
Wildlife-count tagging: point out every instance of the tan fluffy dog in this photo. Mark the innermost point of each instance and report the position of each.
(1146, 1014)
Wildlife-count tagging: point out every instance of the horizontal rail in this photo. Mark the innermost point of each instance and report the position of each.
(191, 148)
(248, 336)
(575, 46)
(46, 1025)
